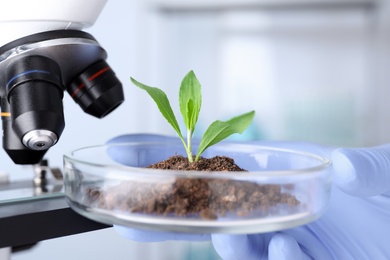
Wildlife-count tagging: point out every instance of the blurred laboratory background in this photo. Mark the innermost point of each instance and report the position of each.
(314, 70)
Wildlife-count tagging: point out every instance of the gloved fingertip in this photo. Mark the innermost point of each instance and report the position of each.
(136, 235)
(362, 172)
(139, 138)
(130, 154)
(234, 247)
(283, 246)
(345, 176)
(141, 235)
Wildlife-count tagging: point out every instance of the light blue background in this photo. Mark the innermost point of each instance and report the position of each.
(313, 75)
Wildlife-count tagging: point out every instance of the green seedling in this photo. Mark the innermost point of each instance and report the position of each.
(190, 100)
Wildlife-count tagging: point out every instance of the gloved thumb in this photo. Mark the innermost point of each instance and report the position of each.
(362, 172)
(283, 247)
(237, 247)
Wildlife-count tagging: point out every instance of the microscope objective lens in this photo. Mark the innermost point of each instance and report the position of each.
(39, 139)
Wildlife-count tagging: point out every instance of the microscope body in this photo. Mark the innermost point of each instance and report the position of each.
(45, 54)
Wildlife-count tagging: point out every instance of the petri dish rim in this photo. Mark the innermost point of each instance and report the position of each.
(323, 162)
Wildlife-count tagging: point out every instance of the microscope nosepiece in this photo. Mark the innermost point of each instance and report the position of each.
(34, 72)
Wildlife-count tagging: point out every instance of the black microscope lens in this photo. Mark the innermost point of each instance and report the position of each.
(97, 90)
(35, 96)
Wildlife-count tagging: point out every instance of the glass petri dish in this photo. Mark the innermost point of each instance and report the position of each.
(280, 188)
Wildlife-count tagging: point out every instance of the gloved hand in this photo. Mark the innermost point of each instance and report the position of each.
(354, 227)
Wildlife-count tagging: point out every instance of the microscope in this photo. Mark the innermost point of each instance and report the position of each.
(44, 53)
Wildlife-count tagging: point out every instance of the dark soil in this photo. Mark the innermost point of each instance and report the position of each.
(217, 163)
(208, 198)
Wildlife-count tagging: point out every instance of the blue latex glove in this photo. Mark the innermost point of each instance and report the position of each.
(354, 227)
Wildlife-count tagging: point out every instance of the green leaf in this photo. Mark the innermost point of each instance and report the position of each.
(160, 98)
(190, 100)
(220, 130)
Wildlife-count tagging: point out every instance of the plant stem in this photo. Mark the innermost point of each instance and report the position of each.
(189, 145)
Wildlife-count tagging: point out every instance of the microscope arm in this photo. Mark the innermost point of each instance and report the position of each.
(20, 18)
